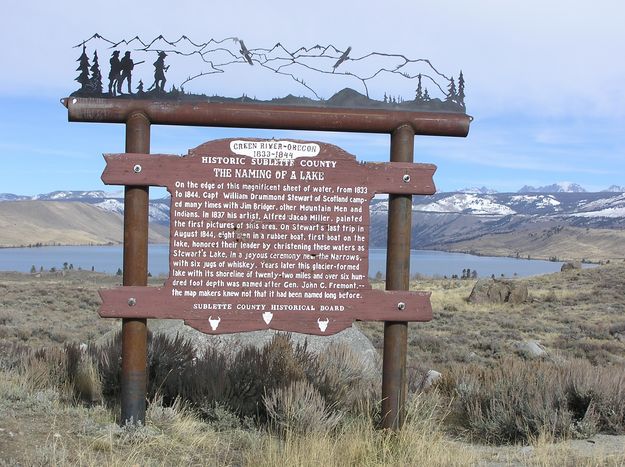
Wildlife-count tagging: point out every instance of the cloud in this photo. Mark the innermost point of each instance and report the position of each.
(544, 79)
(534, 57)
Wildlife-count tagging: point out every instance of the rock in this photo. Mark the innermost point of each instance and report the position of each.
(431, 377)
(571, 266)
(531, 349)
(229, 343)
(499, 291)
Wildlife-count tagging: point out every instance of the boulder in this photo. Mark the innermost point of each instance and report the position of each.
(352, 337)
(431, 377)
(499, 291)
(571, 266)
(530, 349)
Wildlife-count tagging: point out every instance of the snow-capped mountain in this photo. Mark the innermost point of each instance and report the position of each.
(615, 189)
(524, 202)
(12, 197)
(560, 187)
(609, 208)
(535, 205)
(469, 203)
(446, 218)
(476, 212)
(112, 205)
(107, 201)
(86, 196)
(479, 190)
(158, 210)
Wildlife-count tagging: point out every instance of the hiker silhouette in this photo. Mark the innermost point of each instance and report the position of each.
(159, 72)
(114, 74)
(126, 66)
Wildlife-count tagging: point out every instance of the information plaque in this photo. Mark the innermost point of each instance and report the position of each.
(268, 234)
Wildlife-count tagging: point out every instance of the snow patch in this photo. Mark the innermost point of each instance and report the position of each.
(157, 212)
(539, 201)
(608, 212)
(111, 205)
(466, 203)
(610, 207)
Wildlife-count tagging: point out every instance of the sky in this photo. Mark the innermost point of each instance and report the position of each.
(545, 83)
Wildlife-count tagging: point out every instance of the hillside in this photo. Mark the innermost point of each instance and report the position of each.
(567, 225)
(571, 226)
(24, 223)
(542, 242)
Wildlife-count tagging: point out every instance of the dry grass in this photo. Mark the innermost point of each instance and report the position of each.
(517, 401)
(570, 314)
(574, 315)
(299, 409)
(53, 308)
(78, 435)
(50, 309)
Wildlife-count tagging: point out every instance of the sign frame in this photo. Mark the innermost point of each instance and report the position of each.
(138, 116)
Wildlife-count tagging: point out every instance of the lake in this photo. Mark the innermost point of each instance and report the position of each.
(109, 258)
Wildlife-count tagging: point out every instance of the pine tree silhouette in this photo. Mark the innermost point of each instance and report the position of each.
(426, 95)
(452, 95)
(83, 67)
(461, 89)
(96, 77)
(419, 95)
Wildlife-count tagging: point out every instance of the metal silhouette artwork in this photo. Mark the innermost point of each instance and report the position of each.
(159, 72)
(296, 66)
(115, 72)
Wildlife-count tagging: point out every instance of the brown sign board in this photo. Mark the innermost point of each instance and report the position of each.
(268, 234)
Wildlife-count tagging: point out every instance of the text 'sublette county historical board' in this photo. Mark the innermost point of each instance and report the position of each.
(268, 234)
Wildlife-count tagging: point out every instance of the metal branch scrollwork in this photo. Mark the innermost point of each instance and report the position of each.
(219, 56)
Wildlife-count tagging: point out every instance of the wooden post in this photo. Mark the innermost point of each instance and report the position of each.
(134, 331)
(394, 383)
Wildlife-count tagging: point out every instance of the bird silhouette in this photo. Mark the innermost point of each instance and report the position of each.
(246, 53)
(342, 58)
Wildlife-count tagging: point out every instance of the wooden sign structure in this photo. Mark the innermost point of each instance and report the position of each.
(139, 115)
(268, 234)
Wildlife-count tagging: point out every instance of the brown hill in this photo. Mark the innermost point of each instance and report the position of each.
(24, 223)
(564, 243)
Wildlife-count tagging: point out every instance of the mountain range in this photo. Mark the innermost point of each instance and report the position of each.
(93, 196)
(474, 222)
(560, 187)
(526, 223)
(605, 209)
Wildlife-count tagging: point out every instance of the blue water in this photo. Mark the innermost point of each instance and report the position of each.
(109, 258)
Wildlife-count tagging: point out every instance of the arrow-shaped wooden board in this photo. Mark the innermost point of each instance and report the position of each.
(268, 234)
